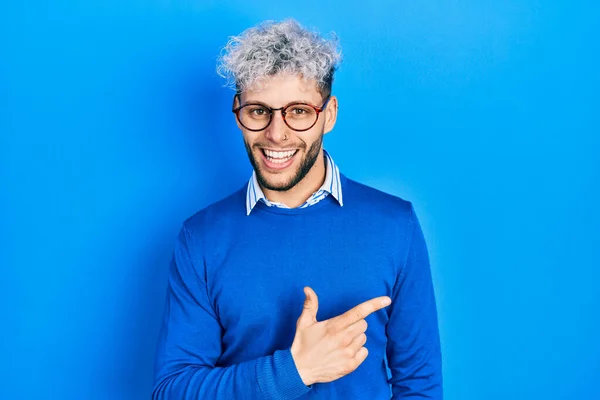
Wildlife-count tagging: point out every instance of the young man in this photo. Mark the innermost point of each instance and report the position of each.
(235, 325)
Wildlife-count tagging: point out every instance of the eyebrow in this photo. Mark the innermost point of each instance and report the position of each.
(284, 106)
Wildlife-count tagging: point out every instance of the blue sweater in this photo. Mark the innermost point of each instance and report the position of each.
(236, 291)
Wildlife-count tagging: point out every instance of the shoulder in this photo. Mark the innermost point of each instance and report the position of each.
(377, 202)
(220, 213)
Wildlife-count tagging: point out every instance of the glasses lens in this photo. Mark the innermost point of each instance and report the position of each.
(254, 116)
(300, 116)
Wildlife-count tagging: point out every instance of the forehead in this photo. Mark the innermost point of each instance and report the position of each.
(281, 89)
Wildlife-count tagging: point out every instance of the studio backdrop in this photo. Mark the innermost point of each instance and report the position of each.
(115, 127)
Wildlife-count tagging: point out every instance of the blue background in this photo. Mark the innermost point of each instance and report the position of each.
(115, 128)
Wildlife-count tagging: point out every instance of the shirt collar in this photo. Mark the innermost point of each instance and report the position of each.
(332, 186)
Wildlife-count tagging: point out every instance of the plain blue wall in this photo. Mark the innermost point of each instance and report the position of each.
(115, 128)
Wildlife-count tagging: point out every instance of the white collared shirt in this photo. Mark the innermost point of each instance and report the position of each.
(331, 186)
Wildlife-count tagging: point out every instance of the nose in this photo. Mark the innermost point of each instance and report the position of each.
(277, 129)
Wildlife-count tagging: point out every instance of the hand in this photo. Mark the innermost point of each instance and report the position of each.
(327, 350)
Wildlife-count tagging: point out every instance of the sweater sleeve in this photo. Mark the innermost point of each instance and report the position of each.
(189, 347)
(413, 347)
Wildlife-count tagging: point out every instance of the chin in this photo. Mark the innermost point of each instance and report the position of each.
(278, 182)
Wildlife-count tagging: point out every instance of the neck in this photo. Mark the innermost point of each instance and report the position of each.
(297, 195)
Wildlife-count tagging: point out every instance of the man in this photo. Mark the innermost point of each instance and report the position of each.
(235, 325)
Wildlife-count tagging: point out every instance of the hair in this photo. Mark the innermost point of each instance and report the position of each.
(273, 48)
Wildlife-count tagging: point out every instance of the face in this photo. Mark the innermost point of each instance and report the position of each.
(282, 164)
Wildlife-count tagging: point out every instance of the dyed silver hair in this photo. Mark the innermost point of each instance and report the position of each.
(283, 47)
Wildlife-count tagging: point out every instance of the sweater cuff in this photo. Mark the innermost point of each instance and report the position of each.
(278, 377)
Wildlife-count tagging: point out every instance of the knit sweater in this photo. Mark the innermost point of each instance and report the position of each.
(236, 291)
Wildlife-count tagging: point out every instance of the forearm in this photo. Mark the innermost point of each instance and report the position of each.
(418, 387)
(187, 359)
(419, 375)
(272, 377)
(413, 350)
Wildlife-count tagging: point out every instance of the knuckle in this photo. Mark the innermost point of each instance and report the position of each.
(351, 365)
(364, 325)
(346, 340)
(349, 353)
(358, 313)
(329, 330)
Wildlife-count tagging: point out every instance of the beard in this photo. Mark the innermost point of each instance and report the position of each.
(305, 166)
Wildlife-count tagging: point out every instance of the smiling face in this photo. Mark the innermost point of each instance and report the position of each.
(280, 164)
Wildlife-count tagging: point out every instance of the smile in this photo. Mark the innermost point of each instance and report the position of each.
(279, 157)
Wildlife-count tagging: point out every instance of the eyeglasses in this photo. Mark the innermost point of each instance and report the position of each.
(298, 116)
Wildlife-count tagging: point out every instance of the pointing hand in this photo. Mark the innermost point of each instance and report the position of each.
(327, 350)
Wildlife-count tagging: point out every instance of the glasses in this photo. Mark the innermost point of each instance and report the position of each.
(297, 116)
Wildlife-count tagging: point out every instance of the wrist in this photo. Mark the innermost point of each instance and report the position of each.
(304, 375)
(305, 378)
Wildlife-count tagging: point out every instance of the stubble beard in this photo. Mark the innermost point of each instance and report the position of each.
(307, 163)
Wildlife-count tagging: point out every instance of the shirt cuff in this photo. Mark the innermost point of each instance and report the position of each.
(278, 377)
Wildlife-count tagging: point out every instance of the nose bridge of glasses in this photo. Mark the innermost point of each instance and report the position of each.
(282, 109)
(276, 128)
(274, 122)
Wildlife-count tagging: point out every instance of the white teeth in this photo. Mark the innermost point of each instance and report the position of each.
(276, 161)
(279, 154)
(279, 157)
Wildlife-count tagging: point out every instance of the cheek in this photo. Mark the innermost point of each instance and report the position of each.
(310, 137)
(249, 137)
(314, 140)
(248, 143)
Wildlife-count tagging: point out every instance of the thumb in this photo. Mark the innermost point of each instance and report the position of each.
(309, 310)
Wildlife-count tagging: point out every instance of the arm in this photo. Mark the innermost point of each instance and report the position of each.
(189, 346)
(413, 348)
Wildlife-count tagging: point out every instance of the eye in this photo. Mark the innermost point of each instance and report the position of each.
(258, 111)
(298, 111)
(255, 111)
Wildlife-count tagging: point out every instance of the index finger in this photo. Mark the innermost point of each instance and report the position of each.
(361, 311)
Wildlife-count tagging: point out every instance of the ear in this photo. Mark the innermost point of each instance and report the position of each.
(330, 114)
(236, 103)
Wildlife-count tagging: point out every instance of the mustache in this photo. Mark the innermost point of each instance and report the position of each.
(267, 145)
